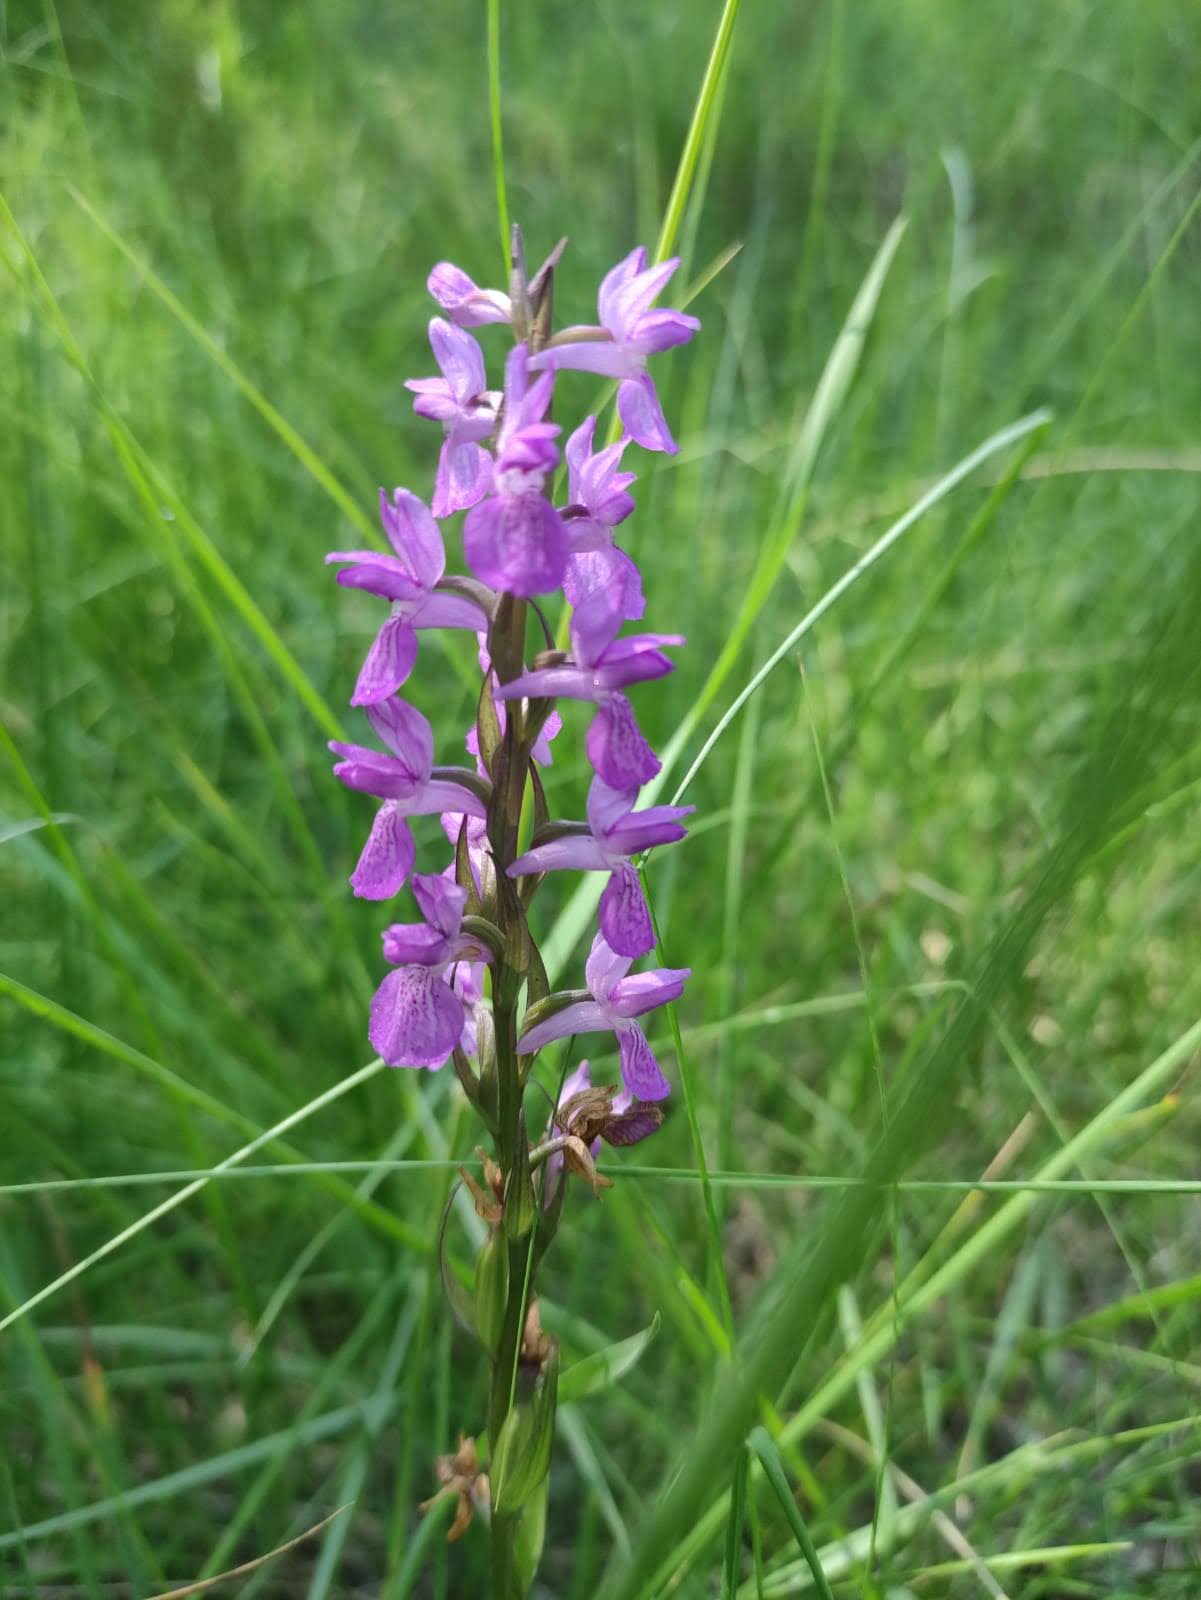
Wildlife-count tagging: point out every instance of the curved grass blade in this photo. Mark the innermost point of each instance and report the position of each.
(761, 1443)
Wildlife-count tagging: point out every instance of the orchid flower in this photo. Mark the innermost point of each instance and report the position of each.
(463, 302)
(613, 1002)
(466, 409)
(417, 1017)
(515, 539)
(614, 832)
(629, 332)
(600, 668)
(409, 579)
(405, 780)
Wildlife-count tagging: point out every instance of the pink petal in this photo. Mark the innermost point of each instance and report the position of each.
(624, 917)
(564, 683)
(616, 747)
(416, 1019)
(615, 280)
(405, 732)
(440, 902)
(636, 296)
(604, 969)
(464, 472)
(608, 572)
(644, 991)
(583, 1017)
(449, 611)
(577, 450)
(461, 359)
(576, 853)
(387, 857)
(414, 944)
(516, 543)
(640, 411)
(640, 1072)
(607, 807)
(389, 662)
(413, 534)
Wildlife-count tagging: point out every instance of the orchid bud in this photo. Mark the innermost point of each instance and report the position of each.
(492, 1290)
(521, 1455)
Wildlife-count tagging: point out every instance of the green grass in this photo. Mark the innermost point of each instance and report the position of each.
(941, 895)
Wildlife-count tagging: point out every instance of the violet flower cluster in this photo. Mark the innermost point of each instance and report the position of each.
(498, 462)
(466, 981)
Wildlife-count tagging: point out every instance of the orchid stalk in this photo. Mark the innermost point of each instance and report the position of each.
(467, 983)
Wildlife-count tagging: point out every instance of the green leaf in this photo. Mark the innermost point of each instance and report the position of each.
(763, 1445)
(604, 1367)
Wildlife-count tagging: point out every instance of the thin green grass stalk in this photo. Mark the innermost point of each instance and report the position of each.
(761, 1443)
(707, 103)
(498, 148)
(355, 1468)
(735, 1526)
(341, 1364)
(717, 1266)
(732, 945)
(991, 446)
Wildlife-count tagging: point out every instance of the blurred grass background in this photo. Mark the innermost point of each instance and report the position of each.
(183, 963)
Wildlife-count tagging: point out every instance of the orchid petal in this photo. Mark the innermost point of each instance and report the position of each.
(460, 357)
(624, 917)
(607, 807)
(644, 991)
(387, 857)
(416, 1019)
(575, 853)
(440, 902)
(562, 683)
(604, 969)
(413, 534)
(406, 733)
(414, 944)
(584, 1016)
(640, 1072)
(635, 297)
(615, 281)
(449, 611)
(389, 662)
(642, 415)
(516, 543)
(616, 747)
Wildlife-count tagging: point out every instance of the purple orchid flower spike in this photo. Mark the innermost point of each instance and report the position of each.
(616, 1000)
(417, 1016)
(405, 781)
(614, 832)
(629, 332)
(467, 412)
(515, 539)
(408, 578)
(463, 302)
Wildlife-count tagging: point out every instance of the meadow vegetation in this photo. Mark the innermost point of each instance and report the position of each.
(940, 898)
